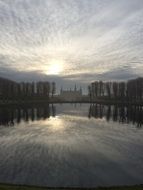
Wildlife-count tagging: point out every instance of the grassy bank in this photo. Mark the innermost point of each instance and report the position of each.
(20, 187)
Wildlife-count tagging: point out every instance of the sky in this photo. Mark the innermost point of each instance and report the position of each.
(71, 41)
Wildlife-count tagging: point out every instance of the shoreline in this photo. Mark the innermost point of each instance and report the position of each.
(104, 102)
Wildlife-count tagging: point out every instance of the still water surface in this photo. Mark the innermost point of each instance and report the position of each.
(71, 145)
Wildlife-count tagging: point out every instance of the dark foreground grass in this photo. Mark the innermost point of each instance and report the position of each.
(23, 187)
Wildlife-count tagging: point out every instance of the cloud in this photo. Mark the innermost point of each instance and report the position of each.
(93, 38)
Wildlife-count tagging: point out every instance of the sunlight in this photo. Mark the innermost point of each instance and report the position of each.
(55, 67)
(54, 123)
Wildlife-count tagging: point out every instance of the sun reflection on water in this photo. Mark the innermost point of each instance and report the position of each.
(55, 123)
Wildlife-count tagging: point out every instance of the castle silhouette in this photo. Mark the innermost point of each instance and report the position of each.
(71, 95)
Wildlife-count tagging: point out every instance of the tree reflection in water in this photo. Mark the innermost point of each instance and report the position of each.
(121, 114)
(12, 116)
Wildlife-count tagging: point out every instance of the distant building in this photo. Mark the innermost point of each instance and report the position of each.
(71, 95)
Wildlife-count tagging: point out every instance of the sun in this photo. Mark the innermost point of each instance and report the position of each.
(55, 67)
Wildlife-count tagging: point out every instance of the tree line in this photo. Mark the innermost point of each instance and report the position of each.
(10, 90)
(131, 90)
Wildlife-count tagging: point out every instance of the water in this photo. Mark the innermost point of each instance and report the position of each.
(71, 145)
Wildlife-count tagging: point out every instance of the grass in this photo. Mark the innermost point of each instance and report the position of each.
(24, 187)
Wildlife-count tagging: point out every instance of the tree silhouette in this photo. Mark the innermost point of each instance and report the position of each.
(53, 88)
(131, 90)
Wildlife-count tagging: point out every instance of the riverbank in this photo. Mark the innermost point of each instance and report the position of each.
(54, 101)
(25, 187)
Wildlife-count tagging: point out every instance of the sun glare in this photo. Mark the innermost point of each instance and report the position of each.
(55, 67)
